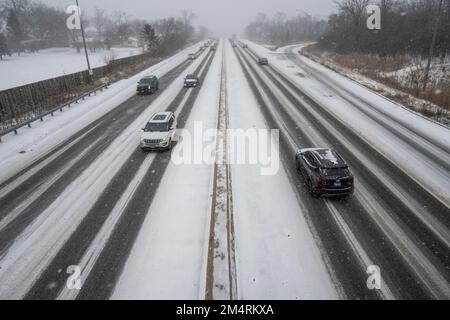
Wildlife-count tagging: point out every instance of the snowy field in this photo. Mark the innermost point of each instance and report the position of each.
(49, 63)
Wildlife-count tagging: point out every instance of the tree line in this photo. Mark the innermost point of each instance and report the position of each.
(406, 28)
(281, 30)
(28, 25)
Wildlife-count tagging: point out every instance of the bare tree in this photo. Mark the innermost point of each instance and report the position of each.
(122, 26)
(100, 22)
(280, 30)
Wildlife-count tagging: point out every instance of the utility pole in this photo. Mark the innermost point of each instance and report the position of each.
(84, 42)
(433, 43)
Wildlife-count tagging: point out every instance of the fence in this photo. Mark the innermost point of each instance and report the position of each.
(50, 112)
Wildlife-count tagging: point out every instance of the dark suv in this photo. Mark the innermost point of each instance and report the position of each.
(191, 81)
(325, 172)
(263, 61)
(147, 85)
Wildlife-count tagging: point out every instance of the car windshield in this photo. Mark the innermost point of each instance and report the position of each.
(145, 81)
(191, 77)
(335, 172)
(156, 127)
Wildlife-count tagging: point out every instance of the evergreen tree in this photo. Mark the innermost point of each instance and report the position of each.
(3, 46)
(149, 37)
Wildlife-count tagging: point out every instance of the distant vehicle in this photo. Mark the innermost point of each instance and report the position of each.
(325, 172)
(192, 56)
(159, 132)
(245, 46)
(263, 61)
(191, 81)
(147, 85)
(213, 48)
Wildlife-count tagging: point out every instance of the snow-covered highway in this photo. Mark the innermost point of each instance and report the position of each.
(140, 226)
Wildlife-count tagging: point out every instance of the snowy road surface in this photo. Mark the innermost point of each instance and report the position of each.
(77, 192)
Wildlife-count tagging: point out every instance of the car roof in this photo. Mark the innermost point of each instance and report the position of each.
(161, 117)
(149, 77)
(327, 158)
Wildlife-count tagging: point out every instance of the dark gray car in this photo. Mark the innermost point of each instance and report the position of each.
(147, 85)
(325, 172)
(263, 61)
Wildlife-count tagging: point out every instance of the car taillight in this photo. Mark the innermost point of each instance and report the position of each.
(350, 180)
(321, 180)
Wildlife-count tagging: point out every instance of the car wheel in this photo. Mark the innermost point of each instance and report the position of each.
(311, 190)
(314, 194)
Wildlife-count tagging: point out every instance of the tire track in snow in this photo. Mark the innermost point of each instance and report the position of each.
(349, 209)
(349, 279)
(100, 282)
(78, 249)
(432, 280)
(95, 138)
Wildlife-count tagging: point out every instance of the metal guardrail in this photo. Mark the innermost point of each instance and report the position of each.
(51, 112)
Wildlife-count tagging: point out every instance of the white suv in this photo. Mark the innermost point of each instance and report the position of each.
(159, 132)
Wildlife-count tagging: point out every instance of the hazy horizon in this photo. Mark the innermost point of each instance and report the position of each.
(222, 18)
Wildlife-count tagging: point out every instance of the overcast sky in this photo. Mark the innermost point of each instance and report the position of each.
(222, 17)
